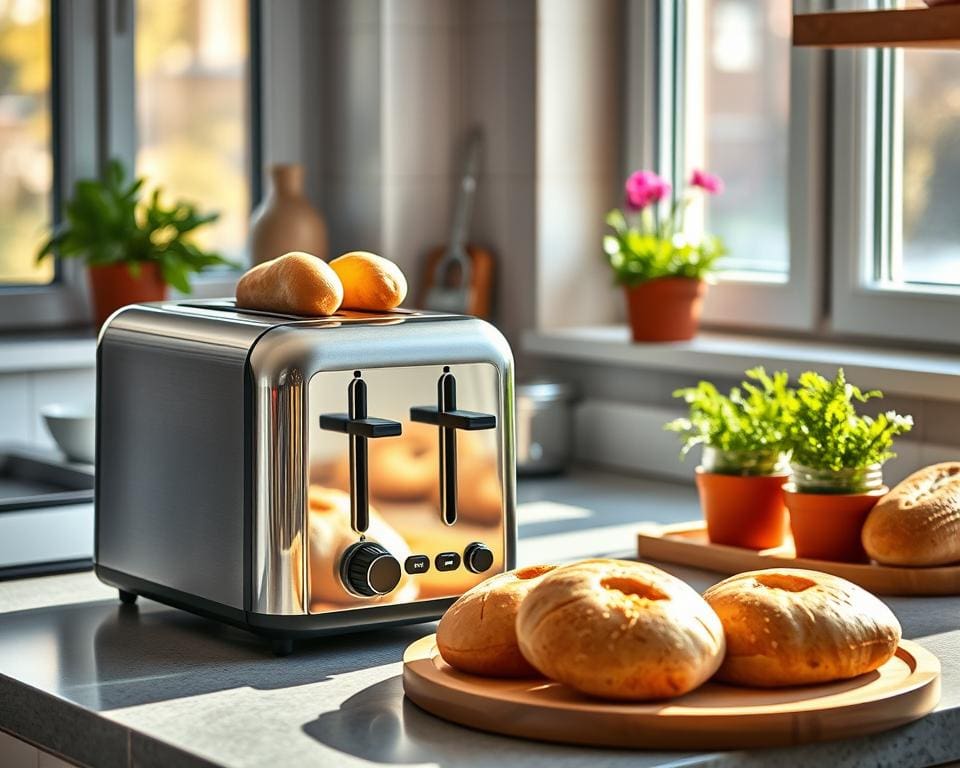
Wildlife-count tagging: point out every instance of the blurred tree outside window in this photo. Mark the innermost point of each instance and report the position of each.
(192, 92)
(26, 164)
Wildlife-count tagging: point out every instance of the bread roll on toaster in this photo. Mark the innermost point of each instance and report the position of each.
(918, 522)
(619, 630)
(790, 626)
(478, 633)
(370, 281)
(295, 283)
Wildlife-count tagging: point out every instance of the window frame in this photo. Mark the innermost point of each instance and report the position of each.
(93, 119)
(794, 303)
(866, 149)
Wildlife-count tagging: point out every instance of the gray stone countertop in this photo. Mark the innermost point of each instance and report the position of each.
(103, 684)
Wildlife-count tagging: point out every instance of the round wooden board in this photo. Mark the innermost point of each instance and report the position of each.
(714, 716)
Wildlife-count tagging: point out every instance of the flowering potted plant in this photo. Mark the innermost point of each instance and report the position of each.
(744, 464)
(837, 463)
(133, 248)
(663, 273)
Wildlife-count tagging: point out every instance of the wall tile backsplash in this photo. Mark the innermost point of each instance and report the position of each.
(22, 395)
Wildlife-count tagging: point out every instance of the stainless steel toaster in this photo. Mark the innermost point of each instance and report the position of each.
(297, 476)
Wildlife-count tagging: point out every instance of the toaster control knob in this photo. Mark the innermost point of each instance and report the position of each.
(369, 570)
(478, 557)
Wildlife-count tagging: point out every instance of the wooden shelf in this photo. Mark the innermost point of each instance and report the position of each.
(907, 28)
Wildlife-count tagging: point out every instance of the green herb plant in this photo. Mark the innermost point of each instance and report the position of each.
(747, 429)
(107, 222)
(827, 433)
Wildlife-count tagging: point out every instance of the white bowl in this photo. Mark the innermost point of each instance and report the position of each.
(74, 429)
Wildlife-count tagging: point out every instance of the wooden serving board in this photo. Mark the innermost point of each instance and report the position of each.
(714, 716)
(687, 544)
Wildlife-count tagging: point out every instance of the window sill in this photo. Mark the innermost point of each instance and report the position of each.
(919, 373)
(42, 352)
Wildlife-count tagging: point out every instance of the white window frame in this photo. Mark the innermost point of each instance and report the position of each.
(867, 143)
(793, 302)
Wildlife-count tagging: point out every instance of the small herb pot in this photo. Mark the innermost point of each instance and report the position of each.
(113, 286)
(741, 496)
(828, 509)
(665, 308)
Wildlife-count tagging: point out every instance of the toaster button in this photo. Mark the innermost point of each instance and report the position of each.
(478, 557)
(448, 561)
(417, 564)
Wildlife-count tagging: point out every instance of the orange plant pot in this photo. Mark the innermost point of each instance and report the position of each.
(826, 526)
(743, 511)
(665, 308)
(112, 287)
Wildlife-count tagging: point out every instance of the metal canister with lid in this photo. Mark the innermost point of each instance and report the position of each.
(544, 426)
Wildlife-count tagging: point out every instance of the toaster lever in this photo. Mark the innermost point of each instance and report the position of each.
(449, 419)
(360, 428)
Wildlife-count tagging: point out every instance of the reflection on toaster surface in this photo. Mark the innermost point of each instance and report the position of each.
(404, 487)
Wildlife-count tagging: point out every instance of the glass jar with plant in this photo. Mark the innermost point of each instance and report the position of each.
(743, 466)
(133, 247)
(837, 462)
(662, 271)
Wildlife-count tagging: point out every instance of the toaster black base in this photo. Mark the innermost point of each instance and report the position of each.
(280, 630)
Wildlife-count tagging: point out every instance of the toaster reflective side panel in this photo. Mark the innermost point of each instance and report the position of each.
(299, 373)
(170, 451)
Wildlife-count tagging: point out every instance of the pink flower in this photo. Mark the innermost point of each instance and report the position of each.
(707, 182)
(643, 188)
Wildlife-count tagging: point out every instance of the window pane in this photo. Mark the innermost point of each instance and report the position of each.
(737, 124)
(192, 91)
(26, 164)
(930, 250)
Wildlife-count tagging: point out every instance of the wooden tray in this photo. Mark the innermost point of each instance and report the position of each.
(687, 544)
(714, 716)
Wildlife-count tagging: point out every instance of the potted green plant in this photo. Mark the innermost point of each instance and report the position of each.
(743, 466)
(133, 247)
(837, 464)
(662, 271)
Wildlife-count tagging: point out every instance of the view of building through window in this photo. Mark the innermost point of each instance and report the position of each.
(738, 108)
(26, 165)
(192, 92)
(930, 251)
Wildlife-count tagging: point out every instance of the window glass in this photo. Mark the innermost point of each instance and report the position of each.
(737, 115)
(930, 170)
(26, 164)
(192, 93)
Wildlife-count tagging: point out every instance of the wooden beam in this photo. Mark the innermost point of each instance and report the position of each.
(907, 28)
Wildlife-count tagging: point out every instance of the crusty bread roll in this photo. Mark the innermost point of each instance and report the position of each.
(918, 522)
(330, 535)
(789, 626)
(295, 283)
(620, 630)
(478, 633)
(370, 281)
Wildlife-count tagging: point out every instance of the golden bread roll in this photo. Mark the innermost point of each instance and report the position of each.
(295, 283)
(789, 626)
(478, 633)
(370, 281)
(918, 522)
(402, 468)
(620, 630)
(330, 535)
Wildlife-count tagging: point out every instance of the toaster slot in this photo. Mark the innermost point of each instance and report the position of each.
(360, 428)
(448, 419)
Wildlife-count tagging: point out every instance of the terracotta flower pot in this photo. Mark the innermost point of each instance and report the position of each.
(286, 221)
(743, 511)
(112, 286)
(665, 308)
(826, 526)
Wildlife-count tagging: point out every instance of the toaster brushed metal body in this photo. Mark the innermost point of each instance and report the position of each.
(224, 486)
